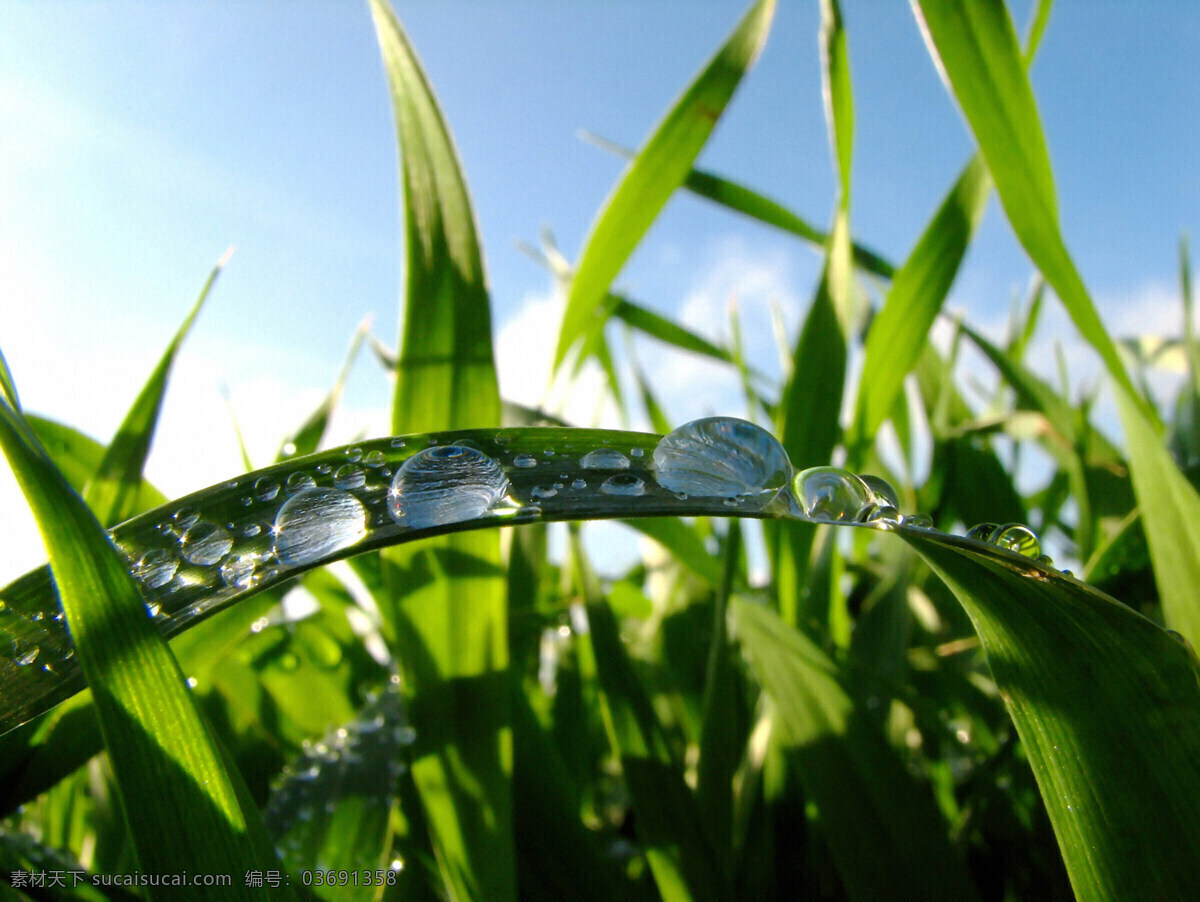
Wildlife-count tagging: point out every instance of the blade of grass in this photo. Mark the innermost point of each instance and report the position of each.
(882, 826)
(452, 630)
(1108, 709)
(182, 805)
(112, 493)
(659, 168)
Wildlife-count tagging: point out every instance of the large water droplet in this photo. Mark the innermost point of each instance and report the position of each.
(1019, 538)
(623, 484)
(832, 495)
(604, 459)
(205, 543)
(445, 484)
(723, 457)
(156, 567)
(317, 522)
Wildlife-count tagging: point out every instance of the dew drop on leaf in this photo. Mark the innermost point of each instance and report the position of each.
(832, 495)
(604, 459)
(723, 457)
(317, 522)
(205, 543)
(623, 484)
(156, 567)
(445, 484)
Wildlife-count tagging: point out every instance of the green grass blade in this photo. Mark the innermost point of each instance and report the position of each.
(666, 331)
(452, 629)
(1108, 709)
(918, 291)
(748, 202)
(659, 168)
(183, 807)
(78, 457)
(7, 385)
(882, 826)
(839, 100)
(976, 48)
(307, 438)
(113, 492)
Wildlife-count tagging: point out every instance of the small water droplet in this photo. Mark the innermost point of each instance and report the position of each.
(374, 458)
(982, 532)
(525, 461)
(156, 567)
(722, 457)
(604, 459)
(637, 452)
(299, 481)
(397, 443)
(323, 469)
(250, 530)
(184, 517)
(239, 570)
(205, 543)
(1019, 538)
(28, 657)
(348, 476)
(832, 495)
(246, 500)
(543, 491)
(1045, 560)
(317, 522)
(445, 484)
(919, 521)
(579, 484)
(623, 484)
(354, 455)
(881, 491)
(265, 488)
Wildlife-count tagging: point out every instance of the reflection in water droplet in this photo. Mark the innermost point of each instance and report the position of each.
(525, 461)
(204, 544)
(28, 657)
(184, 517)
(881, 491)
(445, 484)
(604, 459)
(722, 457)
(543, 491)
(982, 532)
(240, 570)
(266, 489)
(623, 484)
(323, 469)
(1019, 538)
(579, 484)
(919, 521)
(317, 522)
(637, 452)
(354, 454)
(156, 567)
(375, 459)
(832, 495)
(349, 476)
(299, 481)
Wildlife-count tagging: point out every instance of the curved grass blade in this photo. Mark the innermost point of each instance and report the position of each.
(659, 168)
(749, 202)
(1108, 709)
(181, 803)
(451, 630)
(882, 826)
(112, 493)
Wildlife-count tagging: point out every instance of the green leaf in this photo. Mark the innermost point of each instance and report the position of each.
(448, 606)
(112, 493)
(1108, 709)
(839, 99)
(182, 805)
(659, 168)
(882, 826)
(899, 331)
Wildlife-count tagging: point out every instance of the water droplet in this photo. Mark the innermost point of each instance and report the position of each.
(881, 490)
(982, 532)
(623, 484)
(28, 657)
(1019, 538)
(265, 488)
(445, 484)
(153, 608)
(1045, 560)
(250, 530)
(919, 521)
(239, 571)
(354, 455)
(543, 491)
(525, 461)
(299, 481)
(397, 443)
(316, 523)
(548, 452)
(722, 457)
(639, 452)
(205, 543)
(323, 469)
(156, 567)
(604, 459)
(374, 459)
(348, 476)
(579, 484)
(246, 500)
(832, 495)
(184, 517)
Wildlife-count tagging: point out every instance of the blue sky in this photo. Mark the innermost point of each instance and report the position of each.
(138, 141)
